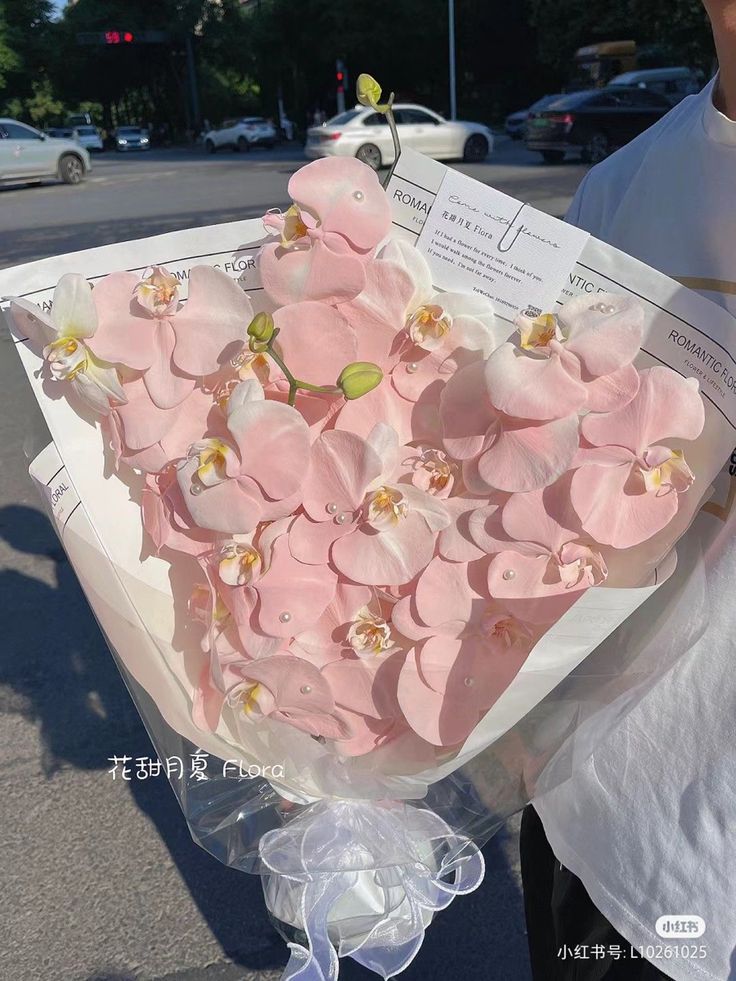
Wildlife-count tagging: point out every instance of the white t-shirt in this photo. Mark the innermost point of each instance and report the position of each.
(648, 822)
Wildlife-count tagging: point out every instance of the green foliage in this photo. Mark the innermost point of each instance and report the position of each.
(250, 56)
(668, 31)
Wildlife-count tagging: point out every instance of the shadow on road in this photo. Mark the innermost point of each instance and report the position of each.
(55, 670)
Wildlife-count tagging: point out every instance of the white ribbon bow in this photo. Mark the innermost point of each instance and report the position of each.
(366, 877)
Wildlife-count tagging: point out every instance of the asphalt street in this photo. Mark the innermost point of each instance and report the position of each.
(101, 881)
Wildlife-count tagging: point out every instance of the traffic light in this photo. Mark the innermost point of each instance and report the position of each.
(119, 37)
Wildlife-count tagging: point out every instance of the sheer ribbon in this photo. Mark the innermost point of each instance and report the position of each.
(363, 880)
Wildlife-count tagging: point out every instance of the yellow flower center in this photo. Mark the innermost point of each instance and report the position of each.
(67, 357)
(239, 564)
(539, 333)
(386, 506)
(428, 326)
(370, 634)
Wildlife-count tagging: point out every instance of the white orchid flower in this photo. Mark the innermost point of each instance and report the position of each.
(61, 338)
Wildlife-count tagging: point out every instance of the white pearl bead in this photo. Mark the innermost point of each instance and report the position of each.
(412, 367)
(285, 616)
(331, 508)
(341, 518)
(469, 682)
(305, 689)
(358, 195)
(509, 574)
(196, 489)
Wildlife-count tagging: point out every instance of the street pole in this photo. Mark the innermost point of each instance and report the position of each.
(451, 32)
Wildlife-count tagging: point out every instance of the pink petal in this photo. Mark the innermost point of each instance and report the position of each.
(166, 386)
(346, 197)
(301, 591)
(273, 440)
(383, 404)
(211, 327)
(125, 333)
(536, 517)
(609, 392)
(526, 593)
(311, 541)
(342, 466)
(465, 412)
(526, 457)
(530, 387)
(486, 529)
(612, 514)
(602, 341)
(667, 406)
(232, 507)
(313, 273)
(378, 314)
(386, 558)
(327, 638)
(315, 341)
(456, 542)
(444, 593)
(143, 422)
(366, 687)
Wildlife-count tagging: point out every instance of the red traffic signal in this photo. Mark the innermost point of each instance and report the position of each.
(119, 37)
(340, 76)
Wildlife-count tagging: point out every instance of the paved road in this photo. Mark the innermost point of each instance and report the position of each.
(101, 881)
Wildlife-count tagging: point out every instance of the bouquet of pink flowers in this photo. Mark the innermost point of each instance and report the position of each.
(381, 496)
(389, 501)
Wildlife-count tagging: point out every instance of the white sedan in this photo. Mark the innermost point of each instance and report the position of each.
(365, 134)
(27, 155)
(241, 134)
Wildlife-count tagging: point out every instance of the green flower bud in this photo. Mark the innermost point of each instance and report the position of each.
(359, 378)
(260, 329)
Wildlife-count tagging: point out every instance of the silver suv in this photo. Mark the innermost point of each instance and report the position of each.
(27, 155)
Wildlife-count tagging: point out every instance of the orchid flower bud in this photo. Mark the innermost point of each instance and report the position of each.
(359, 378)
(260, 331)
(368, 92)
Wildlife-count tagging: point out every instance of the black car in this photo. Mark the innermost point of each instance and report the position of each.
(593, 123)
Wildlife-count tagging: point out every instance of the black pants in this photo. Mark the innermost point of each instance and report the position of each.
(569, 939)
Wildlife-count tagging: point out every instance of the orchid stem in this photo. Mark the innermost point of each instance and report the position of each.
(395, 137)
(296, 383)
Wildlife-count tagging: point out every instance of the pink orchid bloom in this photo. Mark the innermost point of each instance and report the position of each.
(253, 471)
(628, 484)
(354, 623)
(446, 684)
(315, 342)
(271, 596)
(166, 519)
(499, 451)
(562, 363)
(284, 688)
(340, 215)
(364, 690)
(63, 338)
(144, 327)
(148, 438)
(549, 563)
(418, 334)
(374, 529)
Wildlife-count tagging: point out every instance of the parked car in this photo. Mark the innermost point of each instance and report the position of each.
(673, 83)
(516, 123)
(131, 138)
(90, 138)
(241, 134)
(594, 122)
(60, 132)
(365, 134)
(28, 155)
